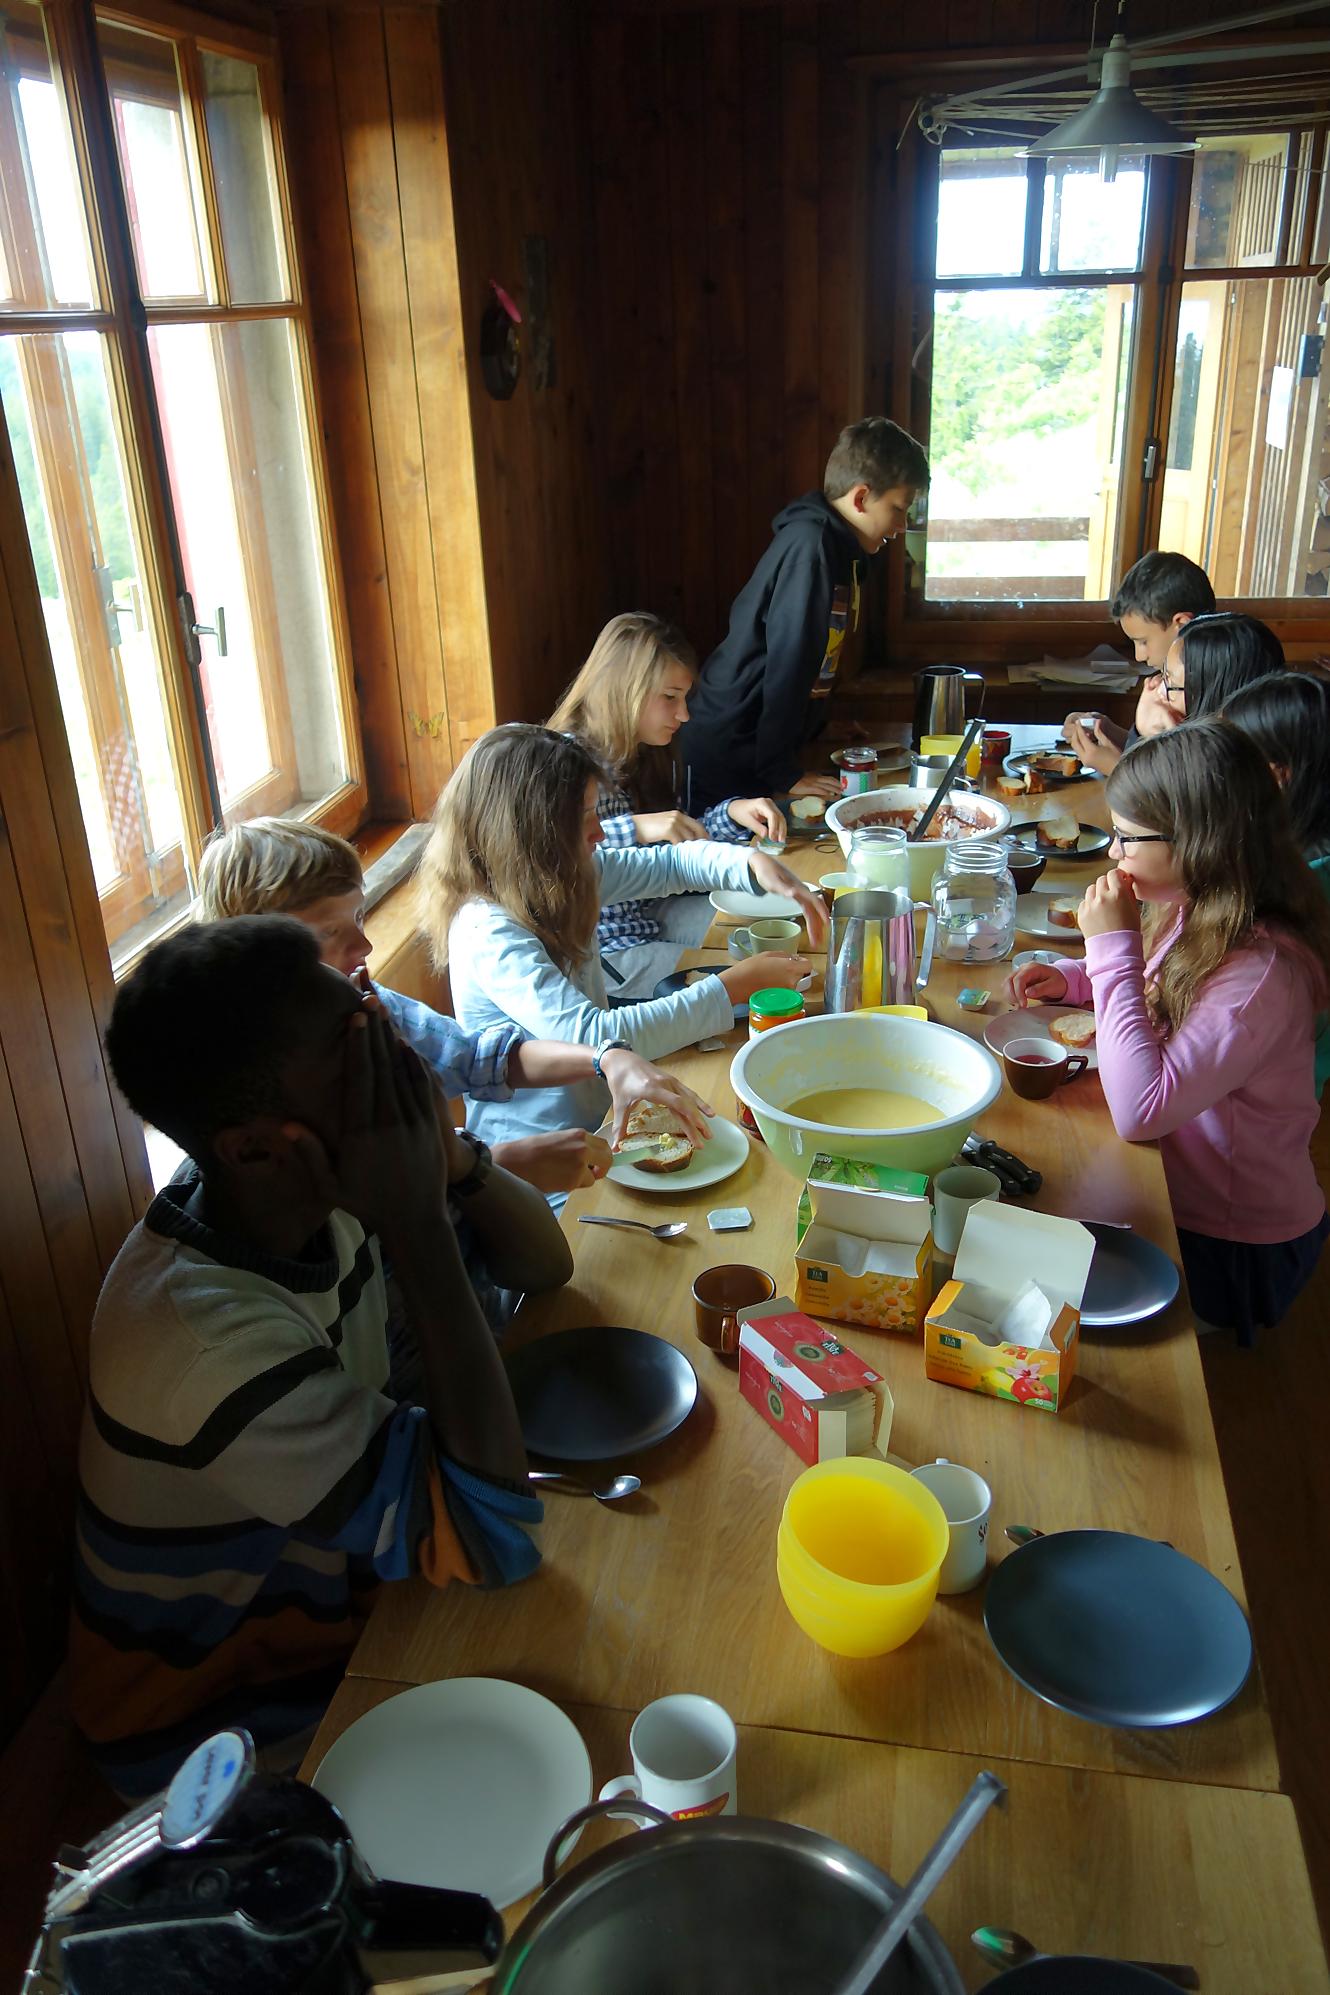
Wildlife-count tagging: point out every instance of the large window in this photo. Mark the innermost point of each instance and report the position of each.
(155, 383)
(1106, 365)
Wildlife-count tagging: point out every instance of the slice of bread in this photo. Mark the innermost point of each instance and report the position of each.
(1034, 780)
(1056, 765)
(1073, 1028)
(1011, 786)
(808, 807)
(1063, 909)
(650, 1122)
(1058, 829)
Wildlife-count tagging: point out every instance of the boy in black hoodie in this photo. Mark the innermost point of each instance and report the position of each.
(763, 692)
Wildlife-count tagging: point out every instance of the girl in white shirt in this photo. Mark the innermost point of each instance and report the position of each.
(512, 882)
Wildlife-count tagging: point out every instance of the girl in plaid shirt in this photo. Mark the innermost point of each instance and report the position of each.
(626, 706)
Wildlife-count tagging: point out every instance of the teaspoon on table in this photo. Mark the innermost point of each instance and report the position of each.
(1000, 1943)
(604, 1492)
(669, 1231)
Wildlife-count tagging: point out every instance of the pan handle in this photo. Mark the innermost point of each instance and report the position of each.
(626, 1805)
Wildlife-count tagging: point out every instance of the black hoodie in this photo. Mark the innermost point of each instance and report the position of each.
(763, 691)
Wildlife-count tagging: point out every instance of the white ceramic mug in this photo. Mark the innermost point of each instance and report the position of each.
(967, 1501)
(954, 1191)
(683, 1750)
(761, 938)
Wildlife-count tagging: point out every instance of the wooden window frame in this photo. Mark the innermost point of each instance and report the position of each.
(903, 222)
(124, 319)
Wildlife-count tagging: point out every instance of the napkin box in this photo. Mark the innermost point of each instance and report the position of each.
(1002, 1251)
(864, 1245)
(820, 1398)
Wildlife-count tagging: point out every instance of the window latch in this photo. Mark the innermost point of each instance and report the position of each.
(192, 631)
(1150, 461)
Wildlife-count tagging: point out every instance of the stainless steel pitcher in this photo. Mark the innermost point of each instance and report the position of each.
(941, 704)
(871, 953)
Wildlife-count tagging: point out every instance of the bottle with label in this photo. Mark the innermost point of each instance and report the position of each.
(879, 857)
(974, 899)
(858, 771)
(765, 1009)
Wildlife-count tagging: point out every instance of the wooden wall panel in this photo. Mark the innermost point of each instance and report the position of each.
(73, 1171)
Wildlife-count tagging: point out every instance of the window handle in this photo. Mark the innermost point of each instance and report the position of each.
(217, 630)
(111, 609)
(1150, 462)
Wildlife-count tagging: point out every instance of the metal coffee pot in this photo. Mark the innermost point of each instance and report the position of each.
(941, 704)
(871, 952)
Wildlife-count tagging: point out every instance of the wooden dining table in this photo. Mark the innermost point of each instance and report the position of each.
(1173, 1842)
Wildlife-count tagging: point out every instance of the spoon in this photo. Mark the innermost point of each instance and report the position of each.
(1011, 1949)
(669, 1231)
(604, 1492)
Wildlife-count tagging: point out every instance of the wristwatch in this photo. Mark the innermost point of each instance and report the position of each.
(610, 1046)
(478, 1176)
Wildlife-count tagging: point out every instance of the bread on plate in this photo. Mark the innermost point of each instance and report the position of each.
(1063, 910)
(1073, 1028)
(651, 1123)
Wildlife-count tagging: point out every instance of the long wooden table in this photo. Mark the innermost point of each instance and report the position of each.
(677, 1590)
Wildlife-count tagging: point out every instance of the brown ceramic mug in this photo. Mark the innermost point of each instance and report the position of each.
(1037, 1067)
(719, 1294)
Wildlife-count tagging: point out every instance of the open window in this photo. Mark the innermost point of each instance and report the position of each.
(156, 388)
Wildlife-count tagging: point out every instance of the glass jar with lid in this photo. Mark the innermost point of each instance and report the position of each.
(765, 1009)
(974, 899)
(879, 857)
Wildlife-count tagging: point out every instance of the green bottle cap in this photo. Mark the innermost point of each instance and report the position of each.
(776, 1004)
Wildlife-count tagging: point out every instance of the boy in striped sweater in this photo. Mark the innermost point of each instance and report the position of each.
(249, 1472)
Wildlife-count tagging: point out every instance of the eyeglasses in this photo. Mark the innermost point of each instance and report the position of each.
(1122, 839)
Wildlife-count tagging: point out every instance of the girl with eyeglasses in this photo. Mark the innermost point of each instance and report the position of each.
(1207, 958)
(1208, 661)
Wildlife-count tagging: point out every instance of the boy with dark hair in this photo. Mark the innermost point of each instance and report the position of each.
(1155, 599)
(763, 692)
(248, 1473)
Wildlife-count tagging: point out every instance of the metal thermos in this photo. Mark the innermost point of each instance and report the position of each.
(940, 700)
(871, 954)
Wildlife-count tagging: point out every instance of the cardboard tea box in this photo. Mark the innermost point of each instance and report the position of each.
(1008, 1324)
(811, 1388)
(864, 1246)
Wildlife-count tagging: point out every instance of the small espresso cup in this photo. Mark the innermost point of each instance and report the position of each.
(832, 884)
(1036, 1067)
(762, 938)
(955, 1190)
(683, 1750)
(967, 1501)
(719, 1294)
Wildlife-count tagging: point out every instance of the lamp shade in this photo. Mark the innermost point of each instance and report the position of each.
(1115, 120)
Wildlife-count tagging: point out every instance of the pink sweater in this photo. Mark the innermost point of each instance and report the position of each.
(1230, 1095)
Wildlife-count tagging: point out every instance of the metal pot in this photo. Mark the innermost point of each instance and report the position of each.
(940, 702)
(871, 951)
(729, 1904)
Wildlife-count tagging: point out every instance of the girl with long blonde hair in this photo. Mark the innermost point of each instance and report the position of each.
(1207, 956)
(626, 707)
(511, 884)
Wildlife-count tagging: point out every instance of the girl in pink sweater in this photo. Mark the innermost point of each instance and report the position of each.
(1207, 957)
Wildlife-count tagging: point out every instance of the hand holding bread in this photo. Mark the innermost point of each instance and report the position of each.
(1109, 906)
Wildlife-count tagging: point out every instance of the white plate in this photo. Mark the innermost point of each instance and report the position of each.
(739, 906)
(716, 1160)
(459, 1784)
(1032, 918)
(1033, 1023)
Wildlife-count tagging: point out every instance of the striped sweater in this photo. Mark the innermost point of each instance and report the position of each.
(247, 1479)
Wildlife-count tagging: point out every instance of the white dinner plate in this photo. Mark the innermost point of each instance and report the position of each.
(459, 1784)
(1032, 918)
(1033, 1023)
(715, 1160)
(739, 906)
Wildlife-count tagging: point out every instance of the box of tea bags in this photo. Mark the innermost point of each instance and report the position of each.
(1008, 1323)
(864, 1245)
(818, 1395)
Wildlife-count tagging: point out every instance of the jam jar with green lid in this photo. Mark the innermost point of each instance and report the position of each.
(765, 1009)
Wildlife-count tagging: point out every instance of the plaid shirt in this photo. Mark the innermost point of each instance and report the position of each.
(627, 923)
(469, 1063)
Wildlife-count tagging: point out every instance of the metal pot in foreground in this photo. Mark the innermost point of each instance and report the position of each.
(731, 1904)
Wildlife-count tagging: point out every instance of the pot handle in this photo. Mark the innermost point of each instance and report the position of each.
(619, 1804)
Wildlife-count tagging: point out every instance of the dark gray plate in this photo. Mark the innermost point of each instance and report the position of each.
(1075, 1974)
(587, 1395)
(1093, 841)
(1118, 1629)
(1130, 1279)
(1017, 763)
